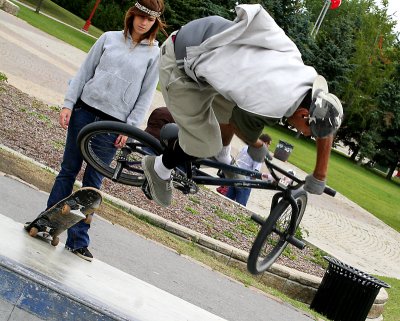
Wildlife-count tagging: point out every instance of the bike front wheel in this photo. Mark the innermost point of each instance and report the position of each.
(271, 240)
(122, 165)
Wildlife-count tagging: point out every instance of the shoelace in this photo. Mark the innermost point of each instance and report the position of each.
(169, 185)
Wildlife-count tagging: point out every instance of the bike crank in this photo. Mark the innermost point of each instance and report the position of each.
(184, 184)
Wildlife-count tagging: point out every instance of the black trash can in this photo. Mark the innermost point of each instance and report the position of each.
(345, 293)
(283, 150)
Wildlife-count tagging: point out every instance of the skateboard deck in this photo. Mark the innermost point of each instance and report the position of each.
(66, 213)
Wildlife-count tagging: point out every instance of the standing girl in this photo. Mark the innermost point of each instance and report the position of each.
(117, 82)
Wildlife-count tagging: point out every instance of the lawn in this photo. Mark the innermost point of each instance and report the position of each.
(65, 33)
(54, 10)
(391, 311)
(364, 186)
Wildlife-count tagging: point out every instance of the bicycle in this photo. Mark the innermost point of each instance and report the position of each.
(287, 207)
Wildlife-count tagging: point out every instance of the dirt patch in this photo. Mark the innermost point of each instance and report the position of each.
(31, 127)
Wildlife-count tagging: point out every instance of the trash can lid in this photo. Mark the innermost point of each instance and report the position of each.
(355, 273)
(282, 142)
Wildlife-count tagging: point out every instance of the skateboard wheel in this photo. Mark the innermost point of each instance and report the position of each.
(88, 219)
(55, 241)
(33, 231)
(65, 209)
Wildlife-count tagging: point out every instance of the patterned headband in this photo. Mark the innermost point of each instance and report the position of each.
(147, 10)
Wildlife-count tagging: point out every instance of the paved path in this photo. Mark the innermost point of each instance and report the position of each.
(41, 66)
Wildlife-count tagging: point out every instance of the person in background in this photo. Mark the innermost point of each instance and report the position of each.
(157, 119)
(116, 81)
(245, 161)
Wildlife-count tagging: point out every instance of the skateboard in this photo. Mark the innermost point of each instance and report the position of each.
(66, 213)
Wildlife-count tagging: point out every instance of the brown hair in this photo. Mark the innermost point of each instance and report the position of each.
(159, 25)
(266, 138)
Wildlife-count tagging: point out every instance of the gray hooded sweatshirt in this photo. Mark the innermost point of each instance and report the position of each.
(117, 78)
(253, 64)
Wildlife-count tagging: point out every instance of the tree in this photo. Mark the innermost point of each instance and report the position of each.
(180, 12)
(39, 5)
(388, 120)
(374, 39)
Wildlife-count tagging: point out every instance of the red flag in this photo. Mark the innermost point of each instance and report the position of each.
(335, 4)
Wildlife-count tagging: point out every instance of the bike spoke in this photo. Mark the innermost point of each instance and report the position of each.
(123, 165)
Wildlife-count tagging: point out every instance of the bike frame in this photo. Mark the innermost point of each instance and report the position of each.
(200, 177)
(287, 197)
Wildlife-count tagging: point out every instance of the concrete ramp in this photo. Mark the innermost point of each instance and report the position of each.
(54, 284)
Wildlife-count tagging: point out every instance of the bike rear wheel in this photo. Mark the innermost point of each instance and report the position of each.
(271, 240)
(122, 165)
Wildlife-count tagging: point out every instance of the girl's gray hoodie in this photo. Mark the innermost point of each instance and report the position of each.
(117, 78)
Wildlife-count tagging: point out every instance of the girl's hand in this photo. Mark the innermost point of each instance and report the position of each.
(120, 141)
(65, 115)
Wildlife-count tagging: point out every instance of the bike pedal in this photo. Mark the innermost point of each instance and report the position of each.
(146, 190)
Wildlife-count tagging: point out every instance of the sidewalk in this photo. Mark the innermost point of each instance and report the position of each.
(41, 66)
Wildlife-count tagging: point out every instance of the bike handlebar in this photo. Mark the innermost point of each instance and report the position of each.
(330, 191)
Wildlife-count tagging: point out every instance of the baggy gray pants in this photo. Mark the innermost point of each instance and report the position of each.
(196, 109)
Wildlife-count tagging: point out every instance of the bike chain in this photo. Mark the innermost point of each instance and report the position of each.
(184, 184)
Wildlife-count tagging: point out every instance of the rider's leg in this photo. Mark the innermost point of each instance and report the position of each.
(227, 132)
(224, 155)
(190, 104)
(173, 156)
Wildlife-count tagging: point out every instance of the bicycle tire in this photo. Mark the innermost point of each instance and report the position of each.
(263, 255)
(96, 143)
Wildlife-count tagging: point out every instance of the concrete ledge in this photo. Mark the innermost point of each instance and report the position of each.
(45, 298)
(9, 7)
(54, 284)
(297, 285)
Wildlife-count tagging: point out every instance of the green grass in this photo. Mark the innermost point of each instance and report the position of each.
(364, 186)
(54, 10)
(67, 34)
(391, 311)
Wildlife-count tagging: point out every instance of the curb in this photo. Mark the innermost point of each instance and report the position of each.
(297, 285)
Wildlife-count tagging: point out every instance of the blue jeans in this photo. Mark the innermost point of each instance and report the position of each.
(78, 236)
(239, 194)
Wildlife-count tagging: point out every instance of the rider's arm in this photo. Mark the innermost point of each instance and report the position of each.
(324, 146)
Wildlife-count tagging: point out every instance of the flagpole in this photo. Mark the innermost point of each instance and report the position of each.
(320, 18)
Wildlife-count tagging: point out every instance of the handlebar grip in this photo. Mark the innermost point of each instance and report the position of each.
(330, 191)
